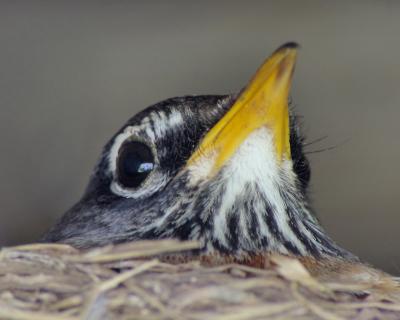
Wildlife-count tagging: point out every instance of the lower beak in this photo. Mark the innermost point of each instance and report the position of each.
(262, 103)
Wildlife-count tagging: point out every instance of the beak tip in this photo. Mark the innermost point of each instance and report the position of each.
(289, 45)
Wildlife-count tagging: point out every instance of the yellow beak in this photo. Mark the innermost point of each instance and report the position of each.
(262, 103)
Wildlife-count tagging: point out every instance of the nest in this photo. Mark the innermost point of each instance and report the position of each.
(134, 281)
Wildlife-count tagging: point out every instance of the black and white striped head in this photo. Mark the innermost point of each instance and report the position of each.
(228, 171)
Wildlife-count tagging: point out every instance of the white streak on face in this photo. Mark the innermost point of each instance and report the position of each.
(163, 122)
(175, 118)
(150, 134)
(160, 123)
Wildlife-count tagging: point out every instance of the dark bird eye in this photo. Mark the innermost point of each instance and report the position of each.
(135, 162)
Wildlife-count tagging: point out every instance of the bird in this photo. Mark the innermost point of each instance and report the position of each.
(228, 171)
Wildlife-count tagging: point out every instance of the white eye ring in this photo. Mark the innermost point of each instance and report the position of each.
(151, 184)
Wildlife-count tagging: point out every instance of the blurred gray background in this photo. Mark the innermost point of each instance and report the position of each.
(71, 73)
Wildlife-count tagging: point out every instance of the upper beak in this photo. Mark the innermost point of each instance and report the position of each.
(262, 103)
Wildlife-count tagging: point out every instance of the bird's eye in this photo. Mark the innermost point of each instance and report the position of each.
(135, 162)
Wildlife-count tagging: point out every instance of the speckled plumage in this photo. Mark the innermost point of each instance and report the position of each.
(264, 210)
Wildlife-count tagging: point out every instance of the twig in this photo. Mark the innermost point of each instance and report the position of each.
(320, 312)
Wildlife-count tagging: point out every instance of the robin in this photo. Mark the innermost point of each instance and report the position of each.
(228, 171)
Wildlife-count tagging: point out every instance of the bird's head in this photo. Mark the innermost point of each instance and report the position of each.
(228, 171)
